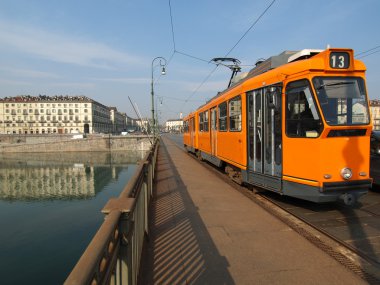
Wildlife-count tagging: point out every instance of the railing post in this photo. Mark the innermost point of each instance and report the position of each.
(125, 253)
(147, 186)
(114, 254)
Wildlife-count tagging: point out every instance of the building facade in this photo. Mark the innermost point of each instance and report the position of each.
(375, 113)
(132, 124)
(56, 114)
(119, 121)
(175, 125)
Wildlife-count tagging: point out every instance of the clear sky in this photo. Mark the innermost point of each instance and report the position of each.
(104, 49)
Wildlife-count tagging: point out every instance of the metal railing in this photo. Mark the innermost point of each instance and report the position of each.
(114, 254)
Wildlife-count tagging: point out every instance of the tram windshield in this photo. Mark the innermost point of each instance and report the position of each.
(343, 100)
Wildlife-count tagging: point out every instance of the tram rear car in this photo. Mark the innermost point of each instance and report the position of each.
(297, 124)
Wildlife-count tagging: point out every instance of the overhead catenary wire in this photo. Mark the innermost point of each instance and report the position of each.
(172, 26)
(203, 60)
(363, 52)
(234, 46)
(192, 56)
(247, 31)
(366, 53)
(199, 86)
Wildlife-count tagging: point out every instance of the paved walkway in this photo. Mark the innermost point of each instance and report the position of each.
(205, 232)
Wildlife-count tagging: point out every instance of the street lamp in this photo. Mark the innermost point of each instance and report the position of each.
(163, 72)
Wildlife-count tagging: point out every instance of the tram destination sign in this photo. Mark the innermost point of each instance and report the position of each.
(339, 60)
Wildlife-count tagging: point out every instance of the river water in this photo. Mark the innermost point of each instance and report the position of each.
(50, 209)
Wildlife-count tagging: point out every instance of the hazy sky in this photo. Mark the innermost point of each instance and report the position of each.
(104, 49)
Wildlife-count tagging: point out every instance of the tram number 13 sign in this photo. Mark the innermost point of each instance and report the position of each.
(339, 60)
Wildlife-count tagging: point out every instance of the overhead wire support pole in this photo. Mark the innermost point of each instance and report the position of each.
(163, 72)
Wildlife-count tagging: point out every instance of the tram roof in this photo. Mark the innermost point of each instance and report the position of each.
(269, 64)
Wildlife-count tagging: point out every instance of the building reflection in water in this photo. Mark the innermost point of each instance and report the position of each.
(63, 176)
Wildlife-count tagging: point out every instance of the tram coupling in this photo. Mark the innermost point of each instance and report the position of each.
(348, 199)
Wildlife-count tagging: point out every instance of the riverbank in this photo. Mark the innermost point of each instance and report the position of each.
(68, 143)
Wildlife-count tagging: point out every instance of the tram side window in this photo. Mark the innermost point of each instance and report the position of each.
(201, 122)
(235, 114)
(205, 121)
(223, 117)
(186, 126)
(302, 118)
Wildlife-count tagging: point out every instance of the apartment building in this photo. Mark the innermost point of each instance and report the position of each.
(375, 113)
(57, 114)
(119, 121)
(174, 125)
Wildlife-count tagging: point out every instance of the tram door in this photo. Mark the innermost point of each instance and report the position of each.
(264, 135)
(214, 132)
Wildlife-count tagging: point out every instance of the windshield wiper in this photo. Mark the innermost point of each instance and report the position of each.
(335, 84)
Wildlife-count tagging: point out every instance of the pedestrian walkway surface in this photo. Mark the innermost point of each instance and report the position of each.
(202, 231)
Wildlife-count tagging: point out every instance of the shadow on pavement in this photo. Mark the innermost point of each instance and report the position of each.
(180, 250)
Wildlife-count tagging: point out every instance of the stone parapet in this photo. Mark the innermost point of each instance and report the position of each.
(68, 144)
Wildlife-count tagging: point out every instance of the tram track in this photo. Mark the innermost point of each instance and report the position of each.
(363, 265)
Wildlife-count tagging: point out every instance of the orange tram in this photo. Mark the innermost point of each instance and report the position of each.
(297, 124)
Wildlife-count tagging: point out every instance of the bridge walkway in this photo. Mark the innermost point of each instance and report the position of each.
(205, 232)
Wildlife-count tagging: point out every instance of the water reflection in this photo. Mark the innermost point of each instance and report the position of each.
(50, 208)
(48, 176)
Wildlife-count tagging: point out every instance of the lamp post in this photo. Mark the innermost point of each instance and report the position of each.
(163, 72)
(158, 99)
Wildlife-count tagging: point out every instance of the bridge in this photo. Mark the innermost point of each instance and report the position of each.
(180, 222)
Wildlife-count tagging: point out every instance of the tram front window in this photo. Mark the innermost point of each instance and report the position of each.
(343, 100)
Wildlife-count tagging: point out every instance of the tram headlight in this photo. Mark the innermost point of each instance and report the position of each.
(346, 173)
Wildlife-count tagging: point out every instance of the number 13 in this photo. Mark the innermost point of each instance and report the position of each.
(338, 63)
